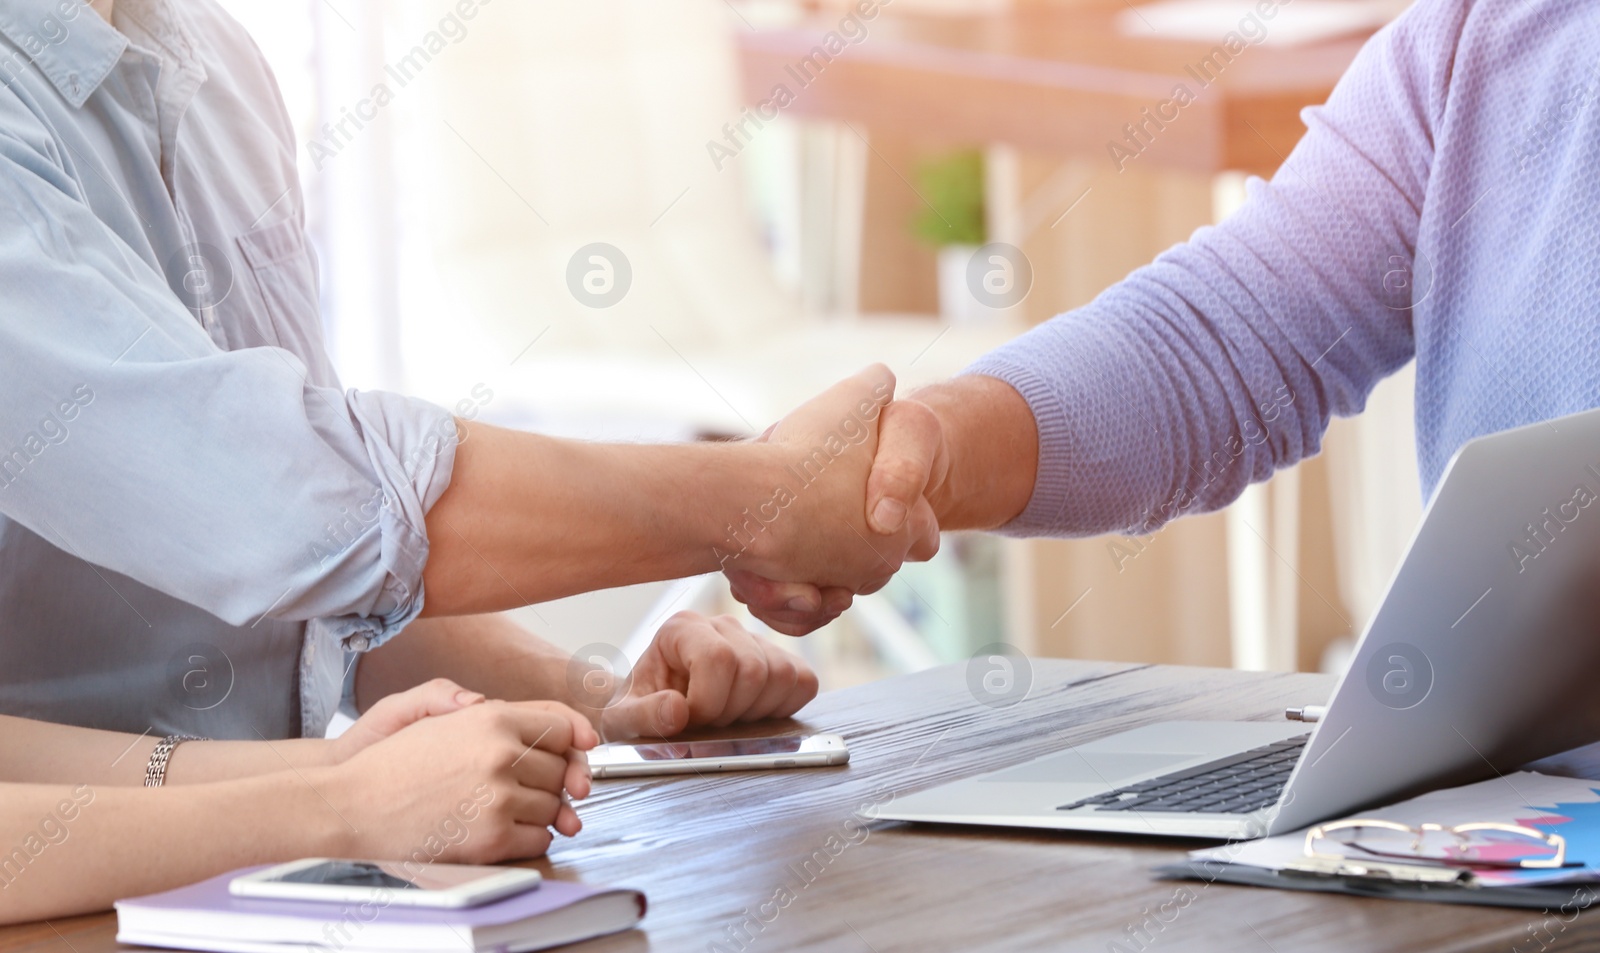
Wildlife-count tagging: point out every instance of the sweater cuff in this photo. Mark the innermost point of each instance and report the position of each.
(1045, 513)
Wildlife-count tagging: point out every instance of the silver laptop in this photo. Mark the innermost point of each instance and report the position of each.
(1483, 656)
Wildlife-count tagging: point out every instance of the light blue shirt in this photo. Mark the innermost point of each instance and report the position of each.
(199, 525)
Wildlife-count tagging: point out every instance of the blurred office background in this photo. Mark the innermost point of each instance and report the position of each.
(595, 219)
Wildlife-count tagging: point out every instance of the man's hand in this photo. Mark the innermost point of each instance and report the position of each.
(700, 671)
(910, 467)
(914, 485)
(910, 463)
(804, 564)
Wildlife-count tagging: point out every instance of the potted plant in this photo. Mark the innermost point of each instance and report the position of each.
(952, 221)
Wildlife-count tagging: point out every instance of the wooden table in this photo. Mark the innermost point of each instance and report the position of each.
(1051, 80)
(707, 849)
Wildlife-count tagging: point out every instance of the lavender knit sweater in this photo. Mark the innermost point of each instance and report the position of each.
(1444, 204)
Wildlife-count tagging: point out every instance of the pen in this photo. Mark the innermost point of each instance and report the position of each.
(1309, 713)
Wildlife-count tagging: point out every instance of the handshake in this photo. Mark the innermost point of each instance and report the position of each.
(848, 488)
(827, 504)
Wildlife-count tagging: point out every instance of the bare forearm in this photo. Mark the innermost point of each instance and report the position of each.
(489, 654)
(530, 518)
(70, 850)
(36, 752)
(992, 445)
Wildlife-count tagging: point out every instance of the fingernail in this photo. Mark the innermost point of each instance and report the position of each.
(889, 514)
(465, 697)
(800, 604)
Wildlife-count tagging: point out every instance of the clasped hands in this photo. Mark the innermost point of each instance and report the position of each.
(856, 474)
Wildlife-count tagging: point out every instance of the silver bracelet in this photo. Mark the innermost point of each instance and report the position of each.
(156, 771)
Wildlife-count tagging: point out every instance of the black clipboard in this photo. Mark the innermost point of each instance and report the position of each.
(1576, 896)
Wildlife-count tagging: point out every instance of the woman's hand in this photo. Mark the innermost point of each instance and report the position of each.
(439, 696)
(482, 784)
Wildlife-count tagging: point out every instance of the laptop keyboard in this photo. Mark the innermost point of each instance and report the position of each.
(1237, 784)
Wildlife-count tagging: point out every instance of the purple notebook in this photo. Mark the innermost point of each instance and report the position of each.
(205, 916)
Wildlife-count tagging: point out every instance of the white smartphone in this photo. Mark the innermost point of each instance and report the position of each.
(734, 754)
(386, 882)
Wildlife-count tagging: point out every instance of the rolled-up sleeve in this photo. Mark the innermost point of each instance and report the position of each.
(223, 478)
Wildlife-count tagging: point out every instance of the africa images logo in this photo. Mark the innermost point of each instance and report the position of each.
(1399, 675)
(599, 275)
(999, 275)
(200, 676)
(999, 675)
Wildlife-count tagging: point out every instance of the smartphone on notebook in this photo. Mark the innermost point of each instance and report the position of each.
(400, 883)
(705, 757)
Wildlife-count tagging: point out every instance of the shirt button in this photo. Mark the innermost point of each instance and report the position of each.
(357, 643)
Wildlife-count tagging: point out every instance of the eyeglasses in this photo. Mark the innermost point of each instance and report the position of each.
(1351, 843)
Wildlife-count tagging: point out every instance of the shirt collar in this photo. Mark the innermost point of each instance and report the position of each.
(164, 23)
(74, 47)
